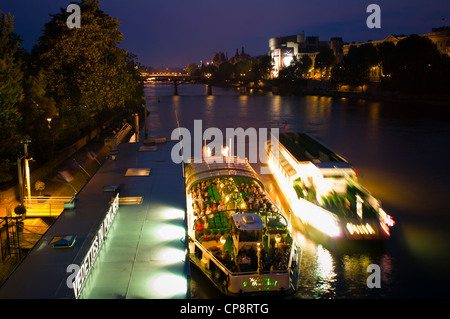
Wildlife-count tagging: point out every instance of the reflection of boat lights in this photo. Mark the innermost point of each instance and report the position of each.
(325, 267)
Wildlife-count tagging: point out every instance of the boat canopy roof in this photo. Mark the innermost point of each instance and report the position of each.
(305, 148)
(196, 172)
(335, 168)
(248, 221)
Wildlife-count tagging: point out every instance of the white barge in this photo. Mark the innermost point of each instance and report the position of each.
(237, 236)
(323, 189)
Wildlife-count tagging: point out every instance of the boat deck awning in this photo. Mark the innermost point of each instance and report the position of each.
(335, 168)
(200, 171)
(248, 221)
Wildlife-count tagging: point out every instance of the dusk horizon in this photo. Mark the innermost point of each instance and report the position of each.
(174, 35)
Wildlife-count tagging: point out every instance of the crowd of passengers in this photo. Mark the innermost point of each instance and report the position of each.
(248, 260)
(204, 203)
(254, 198)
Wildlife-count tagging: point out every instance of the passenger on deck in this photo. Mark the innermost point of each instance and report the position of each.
(267, 261)
(196, 210)
(199, 228)
(246, 260)
(226, 256)
(200, 202)
(221, 206)
(274, 267)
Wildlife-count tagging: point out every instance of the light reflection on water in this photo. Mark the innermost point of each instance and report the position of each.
(398, 151)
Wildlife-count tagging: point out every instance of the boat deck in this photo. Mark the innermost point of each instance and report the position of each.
(238, 195)
(144, 255)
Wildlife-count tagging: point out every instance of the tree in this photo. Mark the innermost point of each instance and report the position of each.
(261, 68)
(20, 210)
(305, 66)
(88, 74)
(324, 61)
(210, 70)
(387, 56)
(297, 70)
(225, 71)
(39, 186)
(36, 109)
(420, 66)
(242, 70)
(11, 94)
(192, 69)
(354, 70)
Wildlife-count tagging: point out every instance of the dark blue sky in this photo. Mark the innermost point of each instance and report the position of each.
(178, 32)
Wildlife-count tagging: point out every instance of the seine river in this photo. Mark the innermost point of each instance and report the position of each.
(400, 153)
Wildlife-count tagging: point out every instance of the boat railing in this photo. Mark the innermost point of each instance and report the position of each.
(216, 158)
(227, 272)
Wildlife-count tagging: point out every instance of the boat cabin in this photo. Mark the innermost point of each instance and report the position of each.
(249, 234)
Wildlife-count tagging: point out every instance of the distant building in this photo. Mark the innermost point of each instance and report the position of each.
(240, 57)
(220, 57)
(283, 49)
(439, 36)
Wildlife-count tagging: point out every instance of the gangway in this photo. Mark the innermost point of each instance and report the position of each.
(47, 206)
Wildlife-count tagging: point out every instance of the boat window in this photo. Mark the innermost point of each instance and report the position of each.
(275, 219)
(138, 172)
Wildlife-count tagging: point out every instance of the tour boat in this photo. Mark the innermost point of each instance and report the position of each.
(323, 189)
(237, 236)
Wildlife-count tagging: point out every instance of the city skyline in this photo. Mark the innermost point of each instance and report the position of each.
(174, 34)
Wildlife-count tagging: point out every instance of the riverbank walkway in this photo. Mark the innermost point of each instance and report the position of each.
(143, 254)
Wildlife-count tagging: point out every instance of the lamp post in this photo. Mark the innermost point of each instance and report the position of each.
(24, 172)
(258, 248)
(223, 240)
(277, 240)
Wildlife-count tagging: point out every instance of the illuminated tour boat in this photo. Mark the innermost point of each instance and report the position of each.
(323, 190)
(237, 236)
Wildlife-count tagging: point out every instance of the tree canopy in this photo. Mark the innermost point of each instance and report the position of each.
(74, 78)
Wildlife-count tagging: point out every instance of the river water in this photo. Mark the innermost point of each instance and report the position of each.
(400, 153)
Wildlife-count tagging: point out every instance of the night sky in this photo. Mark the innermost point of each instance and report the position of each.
(165, 33)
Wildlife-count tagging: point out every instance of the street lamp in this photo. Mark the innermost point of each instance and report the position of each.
(277, 240)
(24, 172)
(223, 240)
